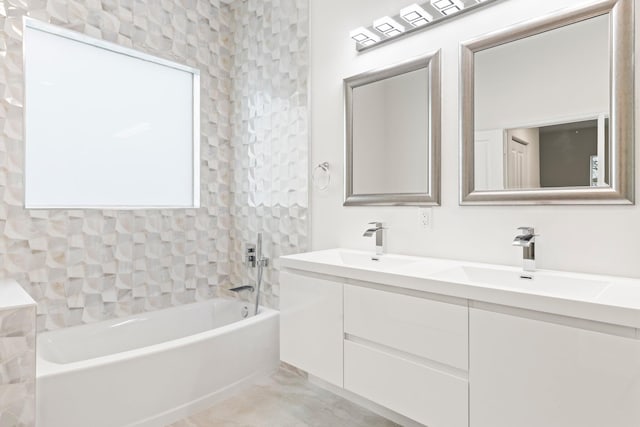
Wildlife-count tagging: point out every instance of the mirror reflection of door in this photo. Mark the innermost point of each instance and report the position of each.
(566, 154)
(517, 163)
(488, 152)
(523, 159)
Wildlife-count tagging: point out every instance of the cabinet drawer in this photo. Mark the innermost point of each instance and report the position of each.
(311, 334)
(533, 373)
(416, 391)
(430, 329)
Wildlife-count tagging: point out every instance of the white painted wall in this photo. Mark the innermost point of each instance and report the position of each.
(598, 239)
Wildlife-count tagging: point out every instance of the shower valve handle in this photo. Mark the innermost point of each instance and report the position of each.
(250, 255)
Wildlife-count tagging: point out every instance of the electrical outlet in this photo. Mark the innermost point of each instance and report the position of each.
(426, 218)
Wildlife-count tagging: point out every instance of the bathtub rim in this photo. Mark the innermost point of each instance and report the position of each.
(48, 369)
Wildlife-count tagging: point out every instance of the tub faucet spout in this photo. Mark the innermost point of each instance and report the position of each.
(243, 288)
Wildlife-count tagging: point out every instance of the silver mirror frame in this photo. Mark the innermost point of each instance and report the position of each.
(432, 197)
(622, 89)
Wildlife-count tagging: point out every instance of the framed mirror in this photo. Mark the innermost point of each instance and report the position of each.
(547, 110)
(392, 141)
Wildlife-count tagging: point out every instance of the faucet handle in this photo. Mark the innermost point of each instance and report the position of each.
(250, 255)
(527, 230)
(378, 224)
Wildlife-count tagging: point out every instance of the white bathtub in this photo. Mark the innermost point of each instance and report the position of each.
(154, 368)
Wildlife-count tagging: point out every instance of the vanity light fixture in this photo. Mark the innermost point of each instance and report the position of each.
(388, 26)
(415, 15)
(447, 7)
(364, 37)
(412, 18)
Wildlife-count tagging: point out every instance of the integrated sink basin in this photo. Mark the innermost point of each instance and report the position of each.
(365, 260)
(355, 259)
(608, 299)
(541, 282)
(398, 264)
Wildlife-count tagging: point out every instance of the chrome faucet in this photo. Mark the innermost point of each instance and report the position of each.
(527, 240)
(377, 229)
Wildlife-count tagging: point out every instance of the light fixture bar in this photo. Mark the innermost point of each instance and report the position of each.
(364, 37)
(388, 26)
(447, 7)
(415, 15)
(412, 18)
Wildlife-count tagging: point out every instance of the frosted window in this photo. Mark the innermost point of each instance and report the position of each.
(107, 126)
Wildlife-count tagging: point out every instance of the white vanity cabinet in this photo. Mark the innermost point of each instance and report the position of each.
(311, 335)
(451, 344)
(533, 372)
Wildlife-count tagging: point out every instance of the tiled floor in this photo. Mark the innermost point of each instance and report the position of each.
(285, 399)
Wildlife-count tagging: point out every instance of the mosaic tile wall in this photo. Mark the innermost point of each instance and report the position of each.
(87, 265)
(83, 266)
(269, 120)
(17, 367)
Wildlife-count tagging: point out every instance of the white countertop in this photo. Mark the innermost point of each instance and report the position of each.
(13, 296)
(609, 299)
